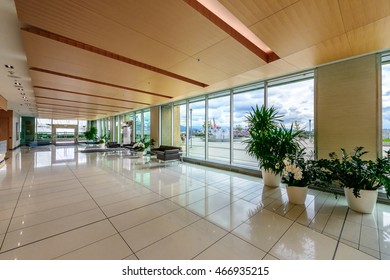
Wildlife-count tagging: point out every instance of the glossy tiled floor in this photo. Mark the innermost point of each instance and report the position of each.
(58, 203)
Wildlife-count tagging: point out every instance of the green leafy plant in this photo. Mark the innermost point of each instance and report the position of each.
(91, 133)
(351, 171)
(270, 141)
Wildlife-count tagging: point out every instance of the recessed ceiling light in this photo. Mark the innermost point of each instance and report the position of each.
(17, 84)
(8, 66)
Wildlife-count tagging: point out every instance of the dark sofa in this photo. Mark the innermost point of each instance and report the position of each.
(167, 152)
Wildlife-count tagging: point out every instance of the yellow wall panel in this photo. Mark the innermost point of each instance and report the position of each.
(347, 106)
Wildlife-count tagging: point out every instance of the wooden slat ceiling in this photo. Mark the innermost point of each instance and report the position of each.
(94, 58)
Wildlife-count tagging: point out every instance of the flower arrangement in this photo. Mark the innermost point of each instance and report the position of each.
(139, 146)
(142, 145)
(296, 170)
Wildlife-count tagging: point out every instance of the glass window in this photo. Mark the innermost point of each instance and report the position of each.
(295, 101)
(219, 128)
(243, 101)
(385, 107)
(138, 131)
(43, 129)
(197, 127)
(65, 122)
(147, 125)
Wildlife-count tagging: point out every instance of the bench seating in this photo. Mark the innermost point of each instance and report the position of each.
(165, 153)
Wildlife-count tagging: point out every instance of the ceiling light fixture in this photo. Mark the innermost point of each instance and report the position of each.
(8, 66)
(217, 13)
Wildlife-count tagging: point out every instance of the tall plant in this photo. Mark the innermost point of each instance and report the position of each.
(91, 134)
(270, 141)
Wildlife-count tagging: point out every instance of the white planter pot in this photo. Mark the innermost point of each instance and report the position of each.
(101, 146)
(140, 154)
(270, 179)
(296, 195)
(363, 204)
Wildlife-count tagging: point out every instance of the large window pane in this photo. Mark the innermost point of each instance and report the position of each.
(180, 126)
(166, 125)
(385, 107)
(197, 123)
(138, 132)
(43, 129)
(147, 125)
(295, 101)
(243, 101)
(219, 128)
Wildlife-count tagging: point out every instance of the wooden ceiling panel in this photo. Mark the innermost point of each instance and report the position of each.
(64, 83)
(60, 95)
(299, 26)
(251, 11)
(230, 57)
(358, 13)
(371, 37)
(49, 54)
(68, 18)
(179, 26)
(327, 51)
(160, 83)
(199, 71)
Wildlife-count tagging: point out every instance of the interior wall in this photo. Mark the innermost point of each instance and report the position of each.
(154, 125)
(347, 115)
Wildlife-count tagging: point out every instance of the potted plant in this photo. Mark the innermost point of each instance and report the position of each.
(270, 141)
(359, 178)
(91, 133)
(297, 176)
(142, 145)
(102, 140)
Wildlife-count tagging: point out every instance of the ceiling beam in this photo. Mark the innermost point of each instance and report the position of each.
(102, 52)
(267, 57)
(97, 82)
(89, 103)
(91, 95)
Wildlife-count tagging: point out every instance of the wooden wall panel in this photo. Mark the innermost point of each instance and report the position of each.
(3, 103)
(154, 124)
(347, 106)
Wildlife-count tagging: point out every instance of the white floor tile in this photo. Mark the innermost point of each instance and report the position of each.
(130, 204)
(29, 220)
(3, 226)
(111, 248)
(234, 214)
(25, 236)
(302, 243)
(152, 231)
(200, 211)
(263, 230)
(188, 242)
(61, 244)
(231, 247)
(345, 252)
(141, 215)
